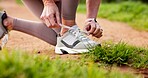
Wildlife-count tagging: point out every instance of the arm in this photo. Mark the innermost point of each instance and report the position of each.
(91, 25)
(92, 8)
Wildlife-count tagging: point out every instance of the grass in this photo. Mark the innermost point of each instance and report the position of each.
(18, 64)
(133, 13)
(19, 2)
(119, 54)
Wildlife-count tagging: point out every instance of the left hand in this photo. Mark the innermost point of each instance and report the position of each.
(93, 28)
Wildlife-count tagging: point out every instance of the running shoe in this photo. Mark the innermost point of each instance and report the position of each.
(74, 41)
(3, 30)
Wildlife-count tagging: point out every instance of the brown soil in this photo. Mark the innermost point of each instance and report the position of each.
(113, 31)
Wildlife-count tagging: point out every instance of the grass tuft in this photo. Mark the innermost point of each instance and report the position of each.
(120, 54)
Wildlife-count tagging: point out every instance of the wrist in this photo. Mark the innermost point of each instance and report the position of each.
(90, 19)
(48, 2)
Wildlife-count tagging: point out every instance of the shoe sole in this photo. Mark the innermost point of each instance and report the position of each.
(65, 50)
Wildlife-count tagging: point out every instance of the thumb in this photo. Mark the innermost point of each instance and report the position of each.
(87, 27)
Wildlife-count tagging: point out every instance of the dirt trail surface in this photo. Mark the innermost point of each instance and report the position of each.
(114, 31)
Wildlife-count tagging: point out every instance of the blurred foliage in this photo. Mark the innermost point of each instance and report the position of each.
(123, 0)
(109, 1)
(19, 64)
(133, 13)
(18, 1)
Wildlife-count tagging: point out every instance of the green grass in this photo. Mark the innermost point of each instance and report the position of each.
(120, 54)
(18, 64)
(133, 13)
(19, 2)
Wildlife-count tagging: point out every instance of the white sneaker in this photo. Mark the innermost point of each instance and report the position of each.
(73, 42)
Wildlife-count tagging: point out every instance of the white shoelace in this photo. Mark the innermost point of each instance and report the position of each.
(77, 32)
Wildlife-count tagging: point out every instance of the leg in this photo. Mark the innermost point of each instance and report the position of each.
(36, 7)
(37, 29)
(68, 13)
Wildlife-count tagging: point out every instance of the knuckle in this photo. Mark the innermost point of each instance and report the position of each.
(52, 14)
(49, 15)
(41, 17)
(94, 26)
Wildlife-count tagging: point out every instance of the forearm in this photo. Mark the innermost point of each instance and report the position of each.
(92, 8)
(46, 2)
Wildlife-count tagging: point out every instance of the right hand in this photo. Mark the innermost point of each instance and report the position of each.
(93, 28)
(50, 15)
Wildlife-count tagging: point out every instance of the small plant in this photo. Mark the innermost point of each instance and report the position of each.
(120, 54)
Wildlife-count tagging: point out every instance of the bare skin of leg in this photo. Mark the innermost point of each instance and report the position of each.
(67, 23)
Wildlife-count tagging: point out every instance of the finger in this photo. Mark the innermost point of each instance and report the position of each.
(42, 18)
(42, 15)
(51, 19)
(46, 21)
(55, 25)
(98, 35)
(87, 27)
(58, 17)
(93, 28)
(53, 22)
(97, 30)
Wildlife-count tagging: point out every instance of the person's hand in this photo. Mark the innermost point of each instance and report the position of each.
(93, 28)
(50, 15)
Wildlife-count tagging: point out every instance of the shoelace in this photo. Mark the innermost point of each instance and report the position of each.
(80, 35)
(77, 33)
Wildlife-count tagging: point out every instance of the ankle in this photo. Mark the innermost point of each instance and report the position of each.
(69, 23)
(8, 22)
